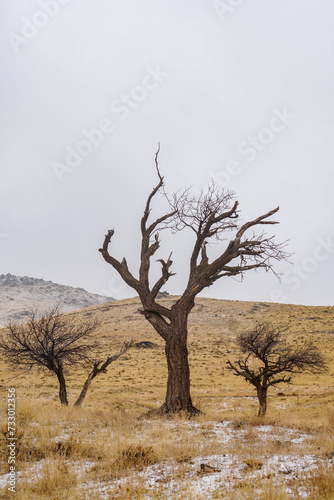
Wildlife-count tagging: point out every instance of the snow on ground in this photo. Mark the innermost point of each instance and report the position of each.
(35, 471)
(225, 431)
(229, 471)
(201, 475)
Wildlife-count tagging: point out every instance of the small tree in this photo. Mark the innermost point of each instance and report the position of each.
(100, 367)
(211, 216)
(54, 342)
(271, 360)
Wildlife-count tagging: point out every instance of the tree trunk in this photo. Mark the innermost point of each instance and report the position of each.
(178, 383)
(84, 390)
(262, 397)
(62, 387)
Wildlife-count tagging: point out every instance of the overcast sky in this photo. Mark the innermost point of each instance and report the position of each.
(241, 91)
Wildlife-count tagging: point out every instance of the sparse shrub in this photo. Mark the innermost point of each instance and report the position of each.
(253, 464)
(136, 456)
(75, 447)
(55, 481)
(26, 452)
(319, 484)
(25, 411)
(330, 418)
(67, 448)
(181, 459)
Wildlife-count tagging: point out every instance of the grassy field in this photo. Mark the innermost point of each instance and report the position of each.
(107, 449)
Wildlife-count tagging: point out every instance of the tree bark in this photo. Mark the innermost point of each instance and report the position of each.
(262, 397)
(84, 389)
(62, 387)
(178, 396)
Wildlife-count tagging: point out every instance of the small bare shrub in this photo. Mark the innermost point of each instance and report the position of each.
(136, 456)
(55, 482)
(321, 483)
(253, 464)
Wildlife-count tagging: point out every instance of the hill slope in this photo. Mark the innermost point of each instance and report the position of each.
(18, 294)
(103, 450)
(214, 318)
(213, 325)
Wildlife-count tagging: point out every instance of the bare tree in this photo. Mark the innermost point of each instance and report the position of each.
(54, 342)
(270, 360)
(211, 216)
(100, 367)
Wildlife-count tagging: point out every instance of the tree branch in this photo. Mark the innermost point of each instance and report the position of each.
(97, 370)
(121, 268)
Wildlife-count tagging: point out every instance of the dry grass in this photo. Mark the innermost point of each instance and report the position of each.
(54, 480)
(104, 451)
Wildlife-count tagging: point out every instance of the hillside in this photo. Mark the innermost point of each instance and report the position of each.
(103, 450)
(18, 294)
(213, 325)
(219, 317)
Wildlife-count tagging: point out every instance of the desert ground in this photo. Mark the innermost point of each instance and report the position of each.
(110, 449)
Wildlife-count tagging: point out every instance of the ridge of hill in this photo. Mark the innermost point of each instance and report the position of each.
(216, 317)
(19, 294)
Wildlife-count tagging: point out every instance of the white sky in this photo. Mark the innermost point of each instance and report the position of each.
(223, 79)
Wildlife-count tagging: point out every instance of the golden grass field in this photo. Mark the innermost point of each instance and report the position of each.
(104, 450)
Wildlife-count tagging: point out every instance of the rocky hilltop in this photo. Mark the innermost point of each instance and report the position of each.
(18, 294)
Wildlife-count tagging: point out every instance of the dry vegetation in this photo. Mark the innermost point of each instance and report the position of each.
(103, 450)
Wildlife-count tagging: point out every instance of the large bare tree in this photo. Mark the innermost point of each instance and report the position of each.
(270, 360)
(210, 216)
